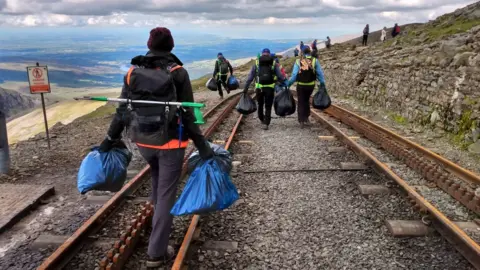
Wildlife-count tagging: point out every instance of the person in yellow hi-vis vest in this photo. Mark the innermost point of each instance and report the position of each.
(220, 73)
(305, 72)
(264, 72)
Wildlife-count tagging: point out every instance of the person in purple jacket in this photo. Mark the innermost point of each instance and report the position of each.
(264, 72)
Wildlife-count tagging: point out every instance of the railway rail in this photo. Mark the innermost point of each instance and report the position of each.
(451, 178)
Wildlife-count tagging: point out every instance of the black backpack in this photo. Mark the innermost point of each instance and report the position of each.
(223, 66)
(265, 70)
(306, 73)
(151, 124)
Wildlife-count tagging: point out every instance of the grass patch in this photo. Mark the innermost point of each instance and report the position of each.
(245, 67)
(199, 84)
(107, 109)
(465, 125)
(398, 119)
(288, 64)
(446, 29)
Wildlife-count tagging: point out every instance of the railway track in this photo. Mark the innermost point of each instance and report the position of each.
(116, 256)
(452, 179)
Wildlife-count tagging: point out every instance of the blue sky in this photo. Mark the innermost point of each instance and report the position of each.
(271, 19)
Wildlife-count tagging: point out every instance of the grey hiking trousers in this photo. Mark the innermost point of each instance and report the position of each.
(166, 167)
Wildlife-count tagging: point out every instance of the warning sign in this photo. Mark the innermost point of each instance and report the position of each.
(38, 79)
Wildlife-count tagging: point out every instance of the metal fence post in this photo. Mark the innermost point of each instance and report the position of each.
(4, 152)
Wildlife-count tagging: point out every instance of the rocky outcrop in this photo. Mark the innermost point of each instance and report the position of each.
(430, 75)
(12, 102)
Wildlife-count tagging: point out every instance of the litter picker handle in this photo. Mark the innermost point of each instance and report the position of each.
(196, 106)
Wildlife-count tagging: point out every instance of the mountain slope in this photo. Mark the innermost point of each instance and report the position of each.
(12, 102)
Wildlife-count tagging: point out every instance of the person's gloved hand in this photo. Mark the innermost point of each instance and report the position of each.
(205, 151)
(109, 143)
(106, 145)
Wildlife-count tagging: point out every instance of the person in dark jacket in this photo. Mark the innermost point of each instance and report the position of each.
(366, 32)
(305, 72)
(314, 48)
(265, 92)
(328, 43)
(302, 46)
(295, 52)
(395, 30)
(222, 66)
(165, 158)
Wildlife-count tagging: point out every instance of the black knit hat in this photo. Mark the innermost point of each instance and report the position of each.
(160, 40)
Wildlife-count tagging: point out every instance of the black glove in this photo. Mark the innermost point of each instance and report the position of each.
(108, 144)
(205, 151)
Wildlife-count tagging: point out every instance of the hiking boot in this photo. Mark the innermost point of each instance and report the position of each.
(228, 91)
(307, 123)
(221, 97)
(161, 261)
(264, 127)
(302, 125)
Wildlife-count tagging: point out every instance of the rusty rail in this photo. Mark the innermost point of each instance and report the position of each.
(459, 182)
(182, 253)
(65, 252)
(461, 241)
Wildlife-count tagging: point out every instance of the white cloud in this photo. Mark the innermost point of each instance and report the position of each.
(319, 14)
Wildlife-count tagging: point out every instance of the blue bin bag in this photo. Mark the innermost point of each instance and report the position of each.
(223, 157)
(106, 171)
(232, 83)
(209, 187)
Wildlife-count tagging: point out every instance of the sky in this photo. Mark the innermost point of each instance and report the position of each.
(279, 19)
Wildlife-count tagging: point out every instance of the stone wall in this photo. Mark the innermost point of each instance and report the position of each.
(434, 83)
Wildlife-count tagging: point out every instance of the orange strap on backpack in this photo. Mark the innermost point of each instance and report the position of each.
(129, 73)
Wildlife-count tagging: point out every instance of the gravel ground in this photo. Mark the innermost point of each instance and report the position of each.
(33, 163)
(311, 220)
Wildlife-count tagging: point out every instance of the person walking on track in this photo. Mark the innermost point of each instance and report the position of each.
(264, 72)
(220, 73)
(305, 72)
(160, 132)
(366, 32)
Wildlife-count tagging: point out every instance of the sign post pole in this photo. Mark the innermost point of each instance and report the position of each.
(39, 84)
(45, 119)
(4, 152)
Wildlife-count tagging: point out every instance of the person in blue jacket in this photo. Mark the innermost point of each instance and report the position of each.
(305, 72)
(264, 72)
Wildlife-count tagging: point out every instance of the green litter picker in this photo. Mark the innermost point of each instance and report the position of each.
(196, 106)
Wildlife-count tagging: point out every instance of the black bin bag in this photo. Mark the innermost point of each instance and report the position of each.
(284, 104)
(321, 100)
(212, 84)
(246, 105)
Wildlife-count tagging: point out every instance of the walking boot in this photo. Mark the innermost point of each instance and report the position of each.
(264, 127)
(161, 261)
(302, 125)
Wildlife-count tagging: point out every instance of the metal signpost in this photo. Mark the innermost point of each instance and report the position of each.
(39, 84)
(4, 152)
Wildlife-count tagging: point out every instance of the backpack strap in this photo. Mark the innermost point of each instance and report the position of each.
(175, 67)
(129, 74)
